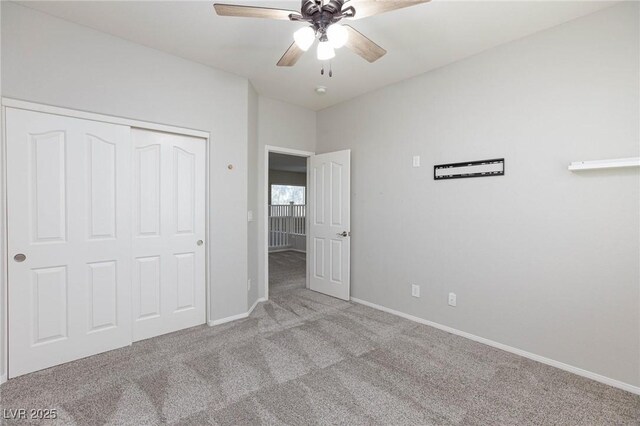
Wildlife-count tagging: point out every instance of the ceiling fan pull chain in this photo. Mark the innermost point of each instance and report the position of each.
(330, 70)
(322, 70)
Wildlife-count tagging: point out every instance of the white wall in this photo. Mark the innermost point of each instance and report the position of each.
(52, 61)
(252, 198)
(541, 259)
(285, 126)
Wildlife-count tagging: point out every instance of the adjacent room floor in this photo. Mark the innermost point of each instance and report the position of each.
(287, 271)
(305, 358)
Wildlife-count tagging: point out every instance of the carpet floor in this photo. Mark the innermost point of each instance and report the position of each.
(304, 358)
(287, 271)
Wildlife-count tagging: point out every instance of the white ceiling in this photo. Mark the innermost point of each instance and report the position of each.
(418, 39)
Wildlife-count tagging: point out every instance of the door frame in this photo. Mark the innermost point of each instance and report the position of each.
(49, 109)
(265, 207)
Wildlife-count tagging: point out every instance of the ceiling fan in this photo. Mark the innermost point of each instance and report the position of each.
(324, 17)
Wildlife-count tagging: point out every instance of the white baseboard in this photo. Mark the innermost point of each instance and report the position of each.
(260, 299)
(228, 319)
(239, 316)
(570, 368)
(3, 379)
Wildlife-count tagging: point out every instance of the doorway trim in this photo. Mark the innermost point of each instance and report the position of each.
(49, 109)
(265, 208)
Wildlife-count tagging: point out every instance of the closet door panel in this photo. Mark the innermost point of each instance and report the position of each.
(169, 212)
(69, 238)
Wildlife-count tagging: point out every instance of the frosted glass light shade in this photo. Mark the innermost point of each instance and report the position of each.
(337, 35)
(304, 38)
(325, 51)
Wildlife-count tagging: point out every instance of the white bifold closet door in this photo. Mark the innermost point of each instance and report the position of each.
(168, 232)
(69, 238)
(106, 230)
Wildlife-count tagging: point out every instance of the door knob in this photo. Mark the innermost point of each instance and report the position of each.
(19, 257)
(343, 234)
(200, 242)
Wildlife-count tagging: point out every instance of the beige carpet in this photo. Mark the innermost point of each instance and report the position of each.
(304, 358)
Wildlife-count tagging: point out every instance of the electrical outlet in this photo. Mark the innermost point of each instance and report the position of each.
(249, 284)
(416, 161)
(452, 299)
(415, 290)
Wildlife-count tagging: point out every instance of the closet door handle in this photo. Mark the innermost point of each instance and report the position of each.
(200, 242)
(20, 257)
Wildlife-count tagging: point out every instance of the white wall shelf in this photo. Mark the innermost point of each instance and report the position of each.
(605, 164)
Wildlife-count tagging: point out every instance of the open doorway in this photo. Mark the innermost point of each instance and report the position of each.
(286, 222)
(307, 222)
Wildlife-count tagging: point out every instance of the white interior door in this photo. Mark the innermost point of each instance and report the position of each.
(330, 224)
(69, 238)
(168, 232)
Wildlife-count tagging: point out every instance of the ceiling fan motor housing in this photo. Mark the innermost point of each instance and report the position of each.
(321, 16)
(333, 6)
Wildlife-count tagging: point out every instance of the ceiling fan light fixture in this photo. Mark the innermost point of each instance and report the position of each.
(338, 35)
(325, 51)
(304, 37)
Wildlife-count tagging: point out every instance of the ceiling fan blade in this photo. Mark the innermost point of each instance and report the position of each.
(363, 46)
(291, 56)
(366, 8)
(252, 12)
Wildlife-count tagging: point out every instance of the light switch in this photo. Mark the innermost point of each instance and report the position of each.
(416, 161)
